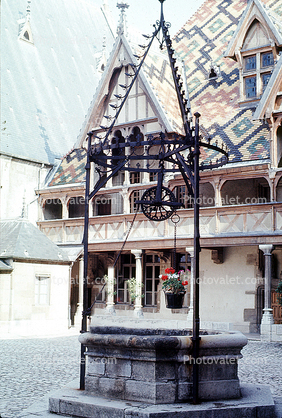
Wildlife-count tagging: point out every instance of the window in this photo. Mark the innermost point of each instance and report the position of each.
(265, 80)
(135, 177)
(153, 176)
(250, 87)
(152, 273)
(118, 179)
(53, 209)
(126, 273)
(102, 205)
(117, 149)
(41, 291)
(250, 63)
(135, 195)
(267, 59)
(182, 196)
(76, 207)
(136, 135)
(184, 263)
(256, 74)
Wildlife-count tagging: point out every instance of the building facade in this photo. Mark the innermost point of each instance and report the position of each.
(46, 48)
(230, 53)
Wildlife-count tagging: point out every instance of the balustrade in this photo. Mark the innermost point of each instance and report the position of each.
(220, 221)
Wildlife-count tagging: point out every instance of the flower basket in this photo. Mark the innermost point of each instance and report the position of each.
(174, 300)
(174, 288)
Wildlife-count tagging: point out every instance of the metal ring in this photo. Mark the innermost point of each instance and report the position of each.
(175, 218)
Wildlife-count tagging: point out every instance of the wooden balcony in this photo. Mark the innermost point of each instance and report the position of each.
(219, 226)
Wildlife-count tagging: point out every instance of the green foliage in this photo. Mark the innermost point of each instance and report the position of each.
(172, 282)
(132, 287)
(279, 293)
(110, 282)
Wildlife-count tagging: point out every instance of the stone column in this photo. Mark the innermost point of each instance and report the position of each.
(267, 317)
(190, 250)
(138, 301)
(125, 196)
(78, 314)
(110, 304)
(217, 192)
(65, 211)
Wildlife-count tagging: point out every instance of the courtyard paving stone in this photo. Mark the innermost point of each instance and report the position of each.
(31, 368)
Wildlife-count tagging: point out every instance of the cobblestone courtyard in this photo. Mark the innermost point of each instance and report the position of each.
(30, 368)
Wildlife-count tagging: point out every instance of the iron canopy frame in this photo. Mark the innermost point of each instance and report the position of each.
(174, 153)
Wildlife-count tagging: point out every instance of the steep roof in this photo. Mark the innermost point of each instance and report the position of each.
(71, 169)
(121, 55)
(22, 240)
(201, 44)
(49, 71)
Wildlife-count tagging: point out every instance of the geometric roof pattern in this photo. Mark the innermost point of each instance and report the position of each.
(20, 239)
(200, 43)
(72, 168)
(48, 73)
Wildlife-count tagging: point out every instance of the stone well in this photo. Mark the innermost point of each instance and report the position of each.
(155, 365)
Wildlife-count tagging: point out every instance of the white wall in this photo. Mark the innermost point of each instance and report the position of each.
(19, 180)
(24, 316)
(5, 295)
(229, 288)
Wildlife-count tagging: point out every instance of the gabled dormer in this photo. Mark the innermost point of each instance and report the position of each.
(143, 108)
(25, 33)
(255, 45)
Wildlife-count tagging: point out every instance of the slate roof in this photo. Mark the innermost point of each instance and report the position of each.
(22, 240)
(47, 85)
(201, 42)
(5, 266)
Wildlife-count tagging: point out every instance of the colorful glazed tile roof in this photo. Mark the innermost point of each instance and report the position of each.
(72, 168)
(202, 43)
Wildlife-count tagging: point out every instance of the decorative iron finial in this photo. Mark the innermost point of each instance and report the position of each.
(122, 21)
(24, 208)
(28, 10)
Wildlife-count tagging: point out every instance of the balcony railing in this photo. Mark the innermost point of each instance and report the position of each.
(247, 220)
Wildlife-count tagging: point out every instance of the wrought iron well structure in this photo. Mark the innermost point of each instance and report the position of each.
(175, 154)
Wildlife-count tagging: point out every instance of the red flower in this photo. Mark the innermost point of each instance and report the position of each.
(169, 270)
(185, 283)
(164, 277)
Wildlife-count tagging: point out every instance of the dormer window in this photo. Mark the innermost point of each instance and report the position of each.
(212, 74)
(214, 71)
(256, 73)
(265, 80)
(250, 87)
(250, 63)
(26, 35)
(267, 59)
(255, 45)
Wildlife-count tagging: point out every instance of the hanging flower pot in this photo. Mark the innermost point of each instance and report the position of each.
(174, 288)
(174, 300)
